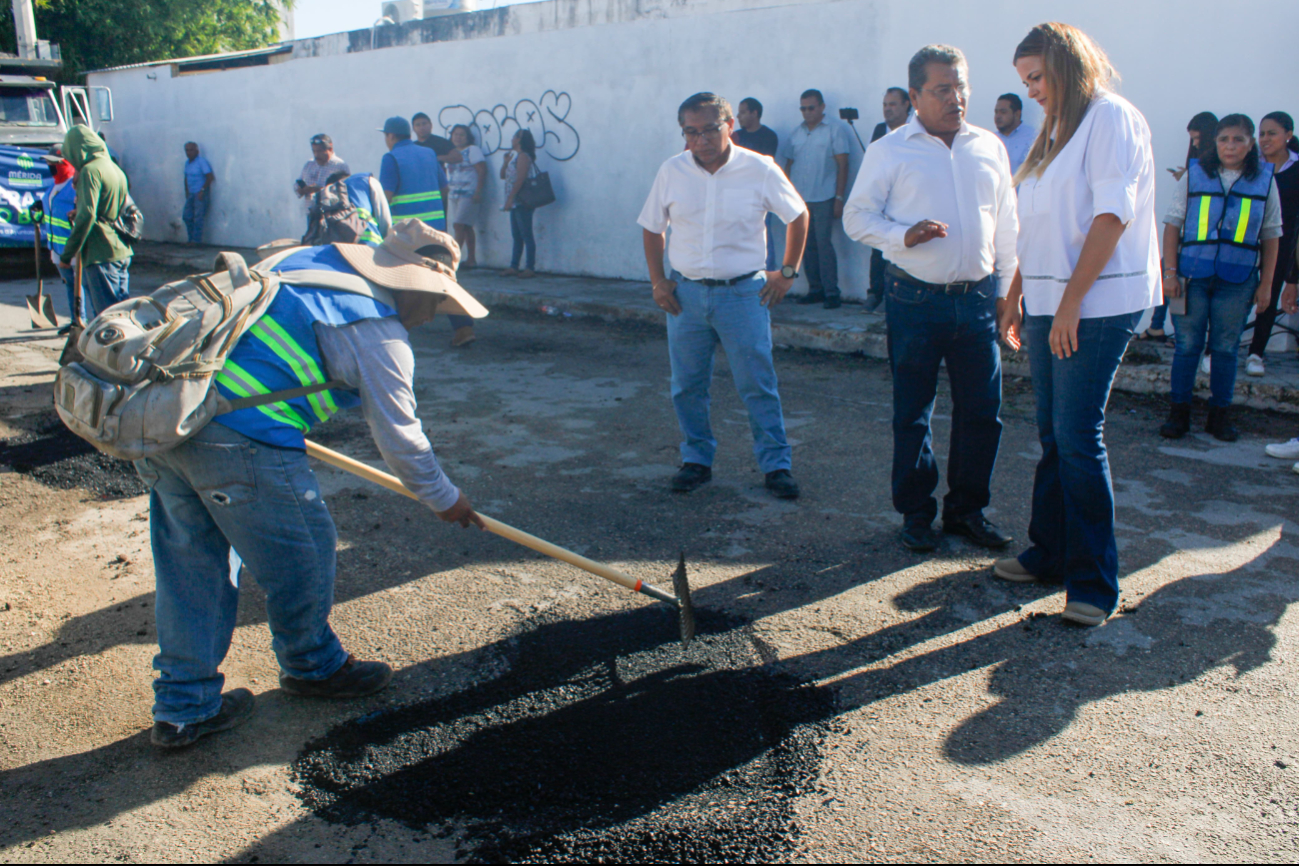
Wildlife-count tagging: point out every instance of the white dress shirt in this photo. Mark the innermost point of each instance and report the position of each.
(719, 220)
(1107, 167)
(909, 175)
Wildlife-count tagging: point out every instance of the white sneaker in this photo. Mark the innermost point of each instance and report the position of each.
(1205, 365)
(1254, 366)
(1284, 450)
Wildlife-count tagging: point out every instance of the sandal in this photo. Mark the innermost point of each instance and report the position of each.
(1149, 334)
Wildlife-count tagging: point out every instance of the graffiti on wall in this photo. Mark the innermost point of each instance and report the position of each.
(547, 118)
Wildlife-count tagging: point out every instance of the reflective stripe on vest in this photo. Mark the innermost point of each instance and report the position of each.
(358, 192)
(303, 365)
(237, 380)
(1221, 234)
(414, 205)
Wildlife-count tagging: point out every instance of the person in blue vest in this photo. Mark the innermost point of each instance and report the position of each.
(413, 180)
(60, 202)
(241, 491)
(1220, 248)
(366, 195)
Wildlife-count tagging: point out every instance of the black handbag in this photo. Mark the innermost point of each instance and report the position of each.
(536, 190)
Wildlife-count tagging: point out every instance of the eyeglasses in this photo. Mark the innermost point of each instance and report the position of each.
(807, 108)
(709, 132)
(946, 93)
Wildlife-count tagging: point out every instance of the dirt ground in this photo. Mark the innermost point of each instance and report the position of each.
(847, 700)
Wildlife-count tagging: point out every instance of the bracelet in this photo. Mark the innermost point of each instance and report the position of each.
(1170, 272)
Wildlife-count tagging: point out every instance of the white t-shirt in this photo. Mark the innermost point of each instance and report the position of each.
(462, 177)
(1107, 167)
(718, 220)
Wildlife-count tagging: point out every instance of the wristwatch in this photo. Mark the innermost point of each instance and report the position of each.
(788, 272)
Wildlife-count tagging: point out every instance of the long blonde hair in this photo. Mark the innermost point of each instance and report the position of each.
(1076, 70)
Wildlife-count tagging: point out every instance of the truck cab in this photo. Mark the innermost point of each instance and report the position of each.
(35, 113)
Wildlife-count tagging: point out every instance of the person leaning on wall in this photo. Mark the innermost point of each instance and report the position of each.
(520, 161)
(1088, 271)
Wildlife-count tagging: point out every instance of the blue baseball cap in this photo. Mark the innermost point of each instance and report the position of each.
(398, 126)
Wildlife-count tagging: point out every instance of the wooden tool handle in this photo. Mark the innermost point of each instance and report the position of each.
(76, 294)
(518, 536)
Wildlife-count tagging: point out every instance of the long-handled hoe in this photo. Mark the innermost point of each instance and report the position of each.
(681, 601)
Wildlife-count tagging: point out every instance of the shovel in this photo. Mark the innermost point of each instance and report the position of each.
(40, 306)
(71, 354)
(681, 601)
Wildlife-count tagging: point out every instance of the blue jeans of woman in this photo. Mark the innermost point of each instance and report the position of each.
(521, 229)
(1216, 313)
(1072, 527)
(217, 491)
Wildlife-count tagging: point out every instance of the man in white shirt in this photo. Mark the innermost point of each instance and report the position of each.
(815, 156)
(936, 198)
(317, 171)
(716, 197)
(1017, 136)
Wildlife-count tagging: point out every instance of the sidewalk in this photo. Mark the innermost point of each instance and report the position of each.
(849, 329)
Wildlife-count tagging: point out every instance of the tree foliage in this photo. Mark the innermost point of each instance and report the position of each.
(95, 34)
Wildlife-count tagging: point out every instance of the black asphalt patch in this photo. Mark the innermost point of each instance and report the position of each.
(605, 741)
(53, 455)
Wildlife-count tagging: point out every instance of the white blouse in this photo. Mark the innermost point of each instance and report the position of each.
(1107, 167)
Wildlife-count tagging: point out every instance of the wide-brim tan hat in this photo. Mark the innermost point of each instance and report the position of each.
(396, 265)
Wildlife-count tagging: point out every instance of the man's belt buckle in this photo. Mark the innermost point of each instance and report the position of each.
(955, 288)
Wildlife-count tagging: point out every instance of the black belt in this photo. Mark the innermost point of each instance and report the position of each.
(942, 288)
(732, 281)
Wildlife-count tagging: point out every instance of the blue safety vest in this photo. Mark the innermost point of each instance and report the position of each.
(358, 192)
(418, 193)
(55, 226)
(280, 353)
(1220, 235)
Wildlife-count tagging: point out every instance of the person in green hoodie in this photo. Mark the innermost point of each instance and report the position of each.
(101, 194)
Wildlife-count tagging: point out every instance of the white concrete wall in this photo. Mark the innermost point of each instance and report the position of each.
(625, 65)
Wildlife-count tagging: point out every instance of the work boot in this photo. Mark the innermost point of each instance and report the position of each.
(353, 680)
(977, 529)
(833, 303)
(782, 485)
(1219, 426)
(236, 708)
(690, 476)
(873, 301)
(463, 336)
(1178, 423)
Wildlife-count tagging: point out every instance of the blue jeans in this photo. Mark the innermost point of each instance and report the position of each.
(819, 262)
(1072, 527)
(771, 224)
(193, 215)
(105, 284)
(217, 490)
(733, 317)
(521, 229)
(1220, 308)
(69, 276)
(1158, 317)
(924, 329)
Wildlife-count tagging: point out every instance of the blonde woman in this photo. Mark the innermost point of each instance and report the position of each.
(1088, 268)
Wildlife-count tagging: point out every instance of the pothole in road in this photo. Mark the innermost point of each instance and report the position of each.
(601, 743)
(53, 455)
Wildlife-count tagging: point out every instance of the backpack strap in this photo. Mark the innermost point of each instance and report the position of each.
(235, 264)
(277, 396)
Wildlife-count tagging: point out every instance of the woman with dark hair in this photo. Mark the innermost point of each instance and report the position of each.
(519, 162)
(1088, 271)
(1277, 144)
(466, 181)
(1220, 247)
(1200, 133)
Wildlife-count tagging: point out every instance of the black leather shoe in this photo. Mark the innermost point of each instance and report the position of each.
(690, 476)
(919, 536)
(811, 298)
(977, 528)
(782, 485)
(1178, 423)
(236, 708)
(353, 680)
(874, 302)
(833, 303)
(1219, 425)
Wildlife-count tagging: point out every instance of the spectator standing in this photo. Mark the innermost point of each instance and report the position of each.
(816, 159)
(1276, 143)
(759, 139)
(198, 180)
(519, 163)
(717, 292)
(467, 180)
(936, 196)
(1088, 271)
(1221, 235)
(316, 173)
(101, 194)
(422, 126)
(1011, 129)
(897, 108)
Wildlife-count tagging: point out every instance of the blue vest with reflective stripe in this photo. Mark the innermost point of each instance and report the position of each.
(55, 227)
(280, 353)
(1220, 235)
(418, 193)
(358, 192)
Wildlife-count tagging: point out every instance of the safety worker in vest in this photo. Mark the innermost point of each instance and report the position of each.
(1220, 248)
(413, 180)
(241, 490)
(367, 196)
(60, 203)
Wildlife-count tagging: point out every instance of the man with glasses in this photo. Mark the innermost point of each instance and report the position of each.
(816, 159)
(716, 196)
(936, 197)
